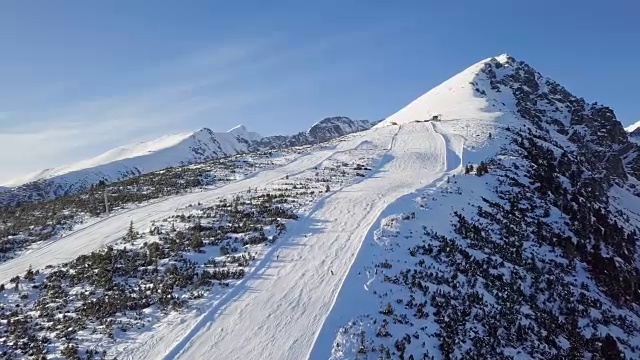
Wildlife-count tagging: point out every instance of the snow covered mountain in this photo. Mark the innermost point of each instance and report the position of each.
(530, 253)
(164, 152)
(504, 228)
(170, 150)
(128, 161)
(335, 127)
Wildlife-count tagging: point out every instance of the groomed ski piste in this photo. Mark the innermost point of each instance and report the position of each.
(279, 312)
(291, 305)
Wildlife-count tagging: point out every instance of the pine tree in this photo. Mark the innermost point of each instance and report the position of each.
(131, 233)
(482, 169)
(30, 275)
(362, 349)
(16, 281)
(196, 242)
(610, 349)
(70, 351)
(468, 169)
(388, 310)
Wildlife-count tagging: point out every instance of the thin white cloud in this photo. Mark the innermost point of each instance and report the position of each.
(112, 122)
(175, 92)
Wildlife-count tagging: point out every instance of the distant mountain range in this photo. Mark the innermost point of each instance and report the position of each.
(167, 151)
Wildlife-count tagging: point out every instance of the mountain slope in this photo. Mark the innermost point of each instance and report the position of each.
(167, 151)
(170, 150)
(312, 173)
(529, 254)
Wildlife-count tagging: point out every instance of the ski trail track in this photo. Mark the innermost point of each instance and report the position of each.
(110, 230)
(353, 298)
(279, 311)
(455, 147)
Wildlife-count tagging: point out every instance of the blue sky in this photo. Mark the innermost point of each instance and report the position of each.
(80, 77)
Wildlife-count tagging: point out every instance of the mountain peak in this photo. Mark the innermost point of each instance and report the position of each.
(336, 126)
(463, 96)
(632, 128)
(204, 130)
(241, 131)
(501, 91)
(238, 128)
(505, 59)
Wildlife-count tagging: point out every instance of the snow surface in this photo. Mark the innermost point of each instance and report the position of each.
(450, 150)
(454, 99)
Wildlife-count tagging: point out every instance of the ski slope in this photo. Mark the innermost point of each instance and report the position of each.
(278, 311)
(352, 290)
(110, 230)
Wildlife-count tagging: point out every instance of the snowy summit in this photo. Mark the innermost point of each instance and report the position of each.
(633, 127)
(241, 132)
